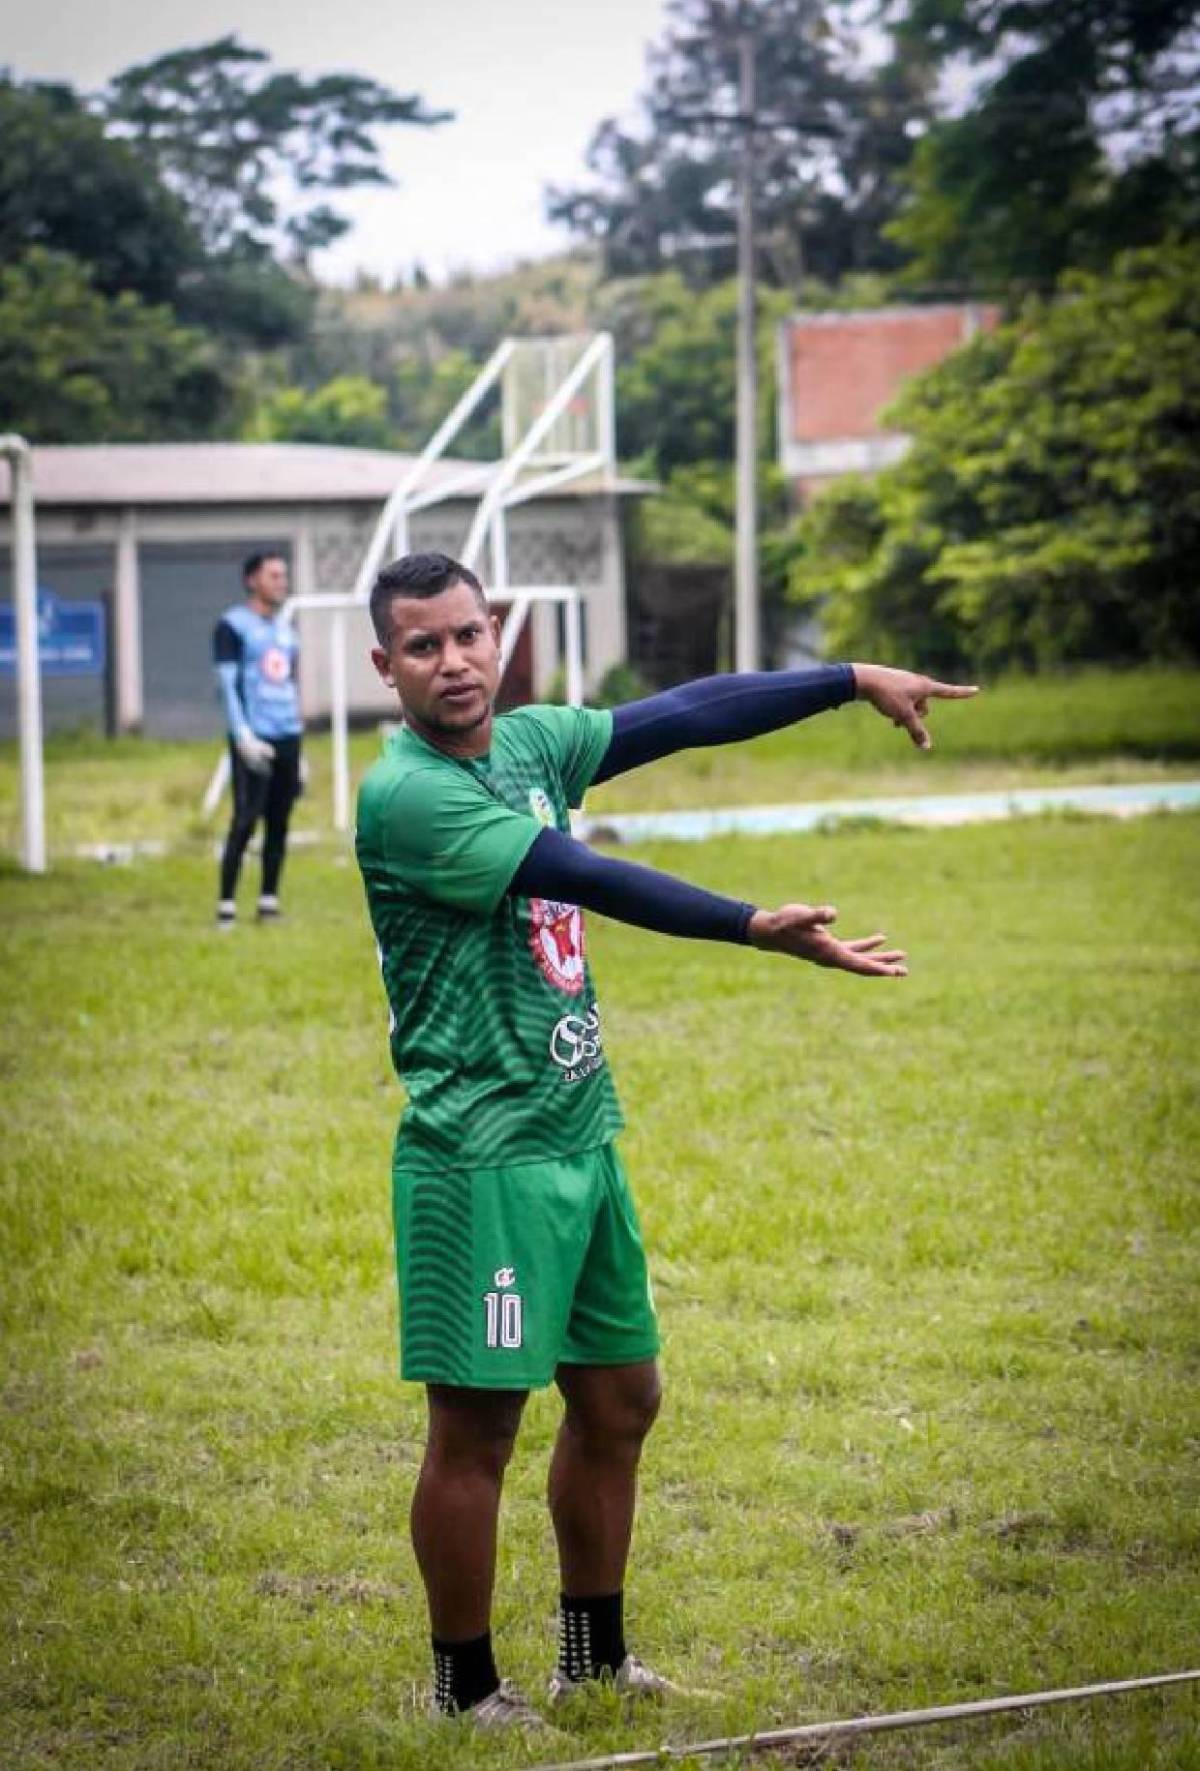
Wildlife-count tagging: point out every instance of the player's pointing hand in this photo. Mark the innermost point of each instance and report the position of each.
(903, 696)
(803, 931)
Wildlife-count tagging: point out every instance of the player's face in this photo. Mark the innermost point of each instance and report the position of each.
(270, 583)
(443, 660)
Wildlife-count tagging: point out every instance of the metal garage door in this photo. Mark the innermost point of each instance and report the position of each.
(69, 703)
(185, 588)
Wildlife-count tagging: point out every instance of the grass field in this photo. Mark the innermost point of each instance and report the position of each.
(926, 1256)
(1097, 726)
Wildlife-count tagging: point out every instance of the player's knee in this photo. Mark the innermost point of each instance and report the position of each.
(618, 1414)
(645, 1404)
(474, 1437)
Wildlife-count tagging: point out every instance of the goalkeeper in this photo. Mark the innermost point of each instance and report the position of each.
(256, 658)
(519, 1255)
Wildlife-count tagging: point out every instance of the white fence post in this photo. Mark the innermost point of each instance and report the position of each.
(29, 674)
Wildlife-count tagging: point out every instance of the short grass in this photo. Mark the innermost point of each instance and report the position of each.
(1097, 726)
(926, 1256)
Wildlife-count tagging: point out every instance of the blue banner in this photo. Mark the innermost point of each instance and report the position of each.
(71, 637)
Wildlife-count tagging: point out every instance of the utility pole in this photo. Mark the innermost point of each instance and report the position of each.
(747, 647)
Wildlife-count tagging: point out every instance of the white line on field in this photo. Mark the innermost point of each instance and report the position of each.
(931, 809)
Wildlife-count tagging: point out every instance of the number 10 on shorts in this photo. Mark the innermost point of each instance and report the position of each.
(503, 1324)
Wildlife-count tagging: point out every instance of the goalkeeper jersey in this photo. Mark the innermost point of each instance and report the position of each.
(495, 1031)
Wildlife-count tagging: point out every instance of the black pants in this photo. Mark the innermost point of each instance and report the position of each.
(270, 797)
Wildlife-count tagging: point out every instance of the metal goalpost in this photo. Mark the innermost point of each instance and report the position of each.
(558, 425)
(29, 682)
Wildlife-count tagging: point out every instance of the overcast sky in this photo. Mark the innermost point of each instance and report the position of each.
(528, 81)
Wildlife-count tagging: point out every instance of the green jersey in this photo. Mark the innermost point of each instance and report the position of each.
(494, 1027)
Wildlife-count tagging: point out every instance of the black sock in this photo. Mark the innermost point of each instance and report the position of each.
(591, 1636)
(464, 1673)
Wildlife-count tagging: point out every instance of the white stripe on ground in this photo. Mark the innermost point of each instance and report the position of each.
(931, 809)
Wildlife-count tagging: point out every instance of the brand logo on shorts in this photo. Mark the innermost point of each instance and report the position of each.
(556, 939)
(503, 1313)
(576, 1045)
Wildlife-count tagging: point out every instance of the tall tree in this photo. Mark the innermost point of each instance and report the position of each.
(67, 186)
(229, 134)
(830, 137)
(1075, 135)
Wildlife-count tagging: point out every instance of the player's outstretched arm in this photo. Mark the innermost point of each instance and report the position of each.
(720, 710)
(563, 870)
(903, 696)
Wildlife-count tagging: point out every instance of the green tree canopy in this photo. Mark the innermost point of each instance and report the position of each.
(78, 366)
(348, 410)
(230, 135)
(67, 186)
(1079, 137)
(1049, 508)
(675, 391)
(831, 136)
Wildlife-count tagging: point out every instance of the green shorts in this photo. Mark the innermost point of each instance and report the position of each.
(506, 1273)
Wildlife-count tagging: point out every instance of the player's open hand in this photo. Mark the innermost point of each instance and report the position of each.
(803, 931)
(903, 696)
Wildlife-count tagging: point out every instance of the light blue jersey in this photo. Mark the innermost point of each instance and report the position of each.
(257, 659)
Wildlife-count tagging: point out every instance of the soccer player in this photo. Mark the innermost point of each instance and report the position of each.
(256, 657)
(519, 1256)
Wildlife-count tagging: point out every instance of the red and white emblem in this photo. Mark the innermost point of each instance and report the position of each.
(275, 665)
(556, 937)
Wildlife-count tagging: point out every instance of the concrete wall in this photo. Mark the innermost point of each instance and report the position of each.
(171, 570)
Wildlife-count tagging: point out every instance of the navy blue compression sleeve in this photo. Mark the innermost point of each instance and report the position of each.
(559, 868)
(720, 710)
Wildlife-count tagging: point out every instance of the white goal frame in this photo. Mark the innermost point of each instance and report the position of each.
(499, 488)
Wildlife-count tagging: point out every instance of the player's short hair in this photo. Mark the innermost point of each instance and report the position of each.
(419, 575)
(253, 561)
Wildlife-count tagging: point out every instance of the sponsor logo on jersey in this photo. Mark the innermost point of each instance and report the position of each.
(275, 665)
(576, 1045)
(540, 806)
(556, 939)
(505, 1276)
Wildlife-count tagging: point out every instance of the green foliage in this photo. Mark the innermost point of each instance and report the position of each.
(831, 138)
(620, 683)
(226, 133)
(78, 366)
(1081, 138)
(673, 529)
(347, 410)
(69, 187)
(675, 396)
(1049, 509)
(425, 387)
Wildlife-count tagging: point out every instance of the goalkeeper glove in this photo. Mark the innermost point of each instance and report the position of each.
(256, 753)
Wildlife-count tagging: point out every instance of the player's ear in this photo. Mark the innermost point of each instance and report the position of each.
(495, 624)
(382, 663)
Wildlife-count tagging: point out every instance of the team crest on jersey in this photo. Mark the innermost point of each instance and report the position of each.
(275, 666)
(539, 805)
(556, 937)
